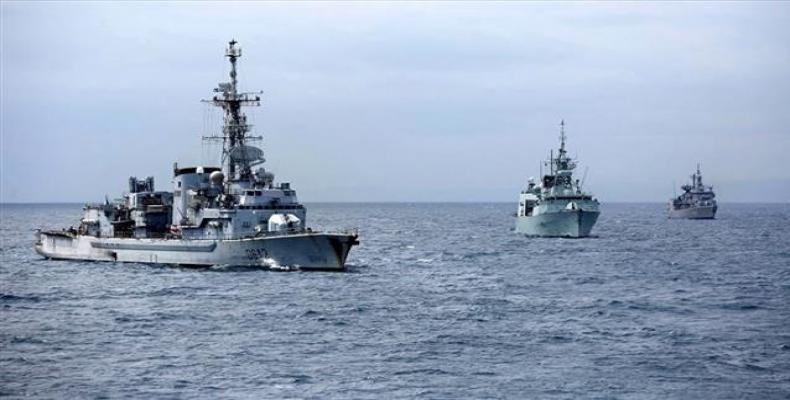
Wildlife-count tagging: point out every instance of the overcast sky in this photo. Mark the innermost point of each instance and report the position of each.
(401, 101)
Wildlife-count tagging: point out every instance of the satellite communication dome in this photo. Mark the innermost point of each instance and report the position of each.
(216, 177)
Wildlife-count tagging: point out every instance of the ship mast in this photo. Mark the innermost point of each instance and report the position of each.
(557, 164)
(562, 160)
(562, 138)
(235, 162)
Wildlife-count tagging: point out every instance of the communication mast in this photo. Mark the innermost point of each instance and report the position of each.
(237, 156)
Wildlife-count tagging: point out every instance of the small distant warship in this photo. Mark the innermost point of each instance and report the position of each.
(697, 201)
(229, 215)
(557, 206)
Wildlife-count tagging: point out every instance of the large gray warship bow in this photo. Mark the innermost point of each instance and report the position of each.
(229, 215)
(697, 201)
(557, 206)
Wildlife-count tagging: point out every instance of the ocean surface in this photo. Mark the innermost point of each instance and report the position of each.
(440, 301)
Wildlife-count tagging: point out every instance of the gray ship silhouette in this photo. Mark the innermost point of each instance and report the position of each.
(697, 201)
(229, 215)
(557, 206)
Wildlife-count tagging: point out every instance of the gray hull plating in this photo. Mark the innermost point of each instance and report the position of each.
(566, 223)
(321, 251)
(702, 212)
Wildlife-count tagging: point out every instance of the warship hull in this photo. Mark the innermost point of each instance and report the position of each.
(565, 223)
(304, 251)
(702, 212)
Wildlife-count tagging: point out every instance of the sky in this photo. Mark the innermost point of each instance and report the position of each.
(378, 101)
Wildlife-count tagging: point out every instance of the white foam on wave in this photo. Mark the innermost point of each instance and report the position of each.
(272, 264)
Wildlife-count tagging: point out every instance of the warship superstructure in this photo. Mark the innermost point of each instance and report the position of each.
(697, 201)
(557, 206)
(230, 215)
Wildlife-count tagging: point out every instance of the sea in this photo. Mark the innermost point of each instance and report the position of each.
(440, 301)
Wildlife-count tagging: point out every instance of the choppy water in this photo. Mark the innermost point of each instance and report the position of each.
(441, 301)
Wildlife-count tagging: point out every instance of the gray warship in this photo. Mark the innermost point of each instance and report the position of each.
(697, 201)
(229, 215)
(557, 206)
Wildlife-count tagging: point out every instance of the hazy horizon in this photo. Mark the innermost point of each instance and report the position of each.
(401, 102)
(777, 203)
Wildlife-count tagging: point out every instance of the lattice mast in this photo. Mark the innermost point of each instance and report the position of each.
(235, 128)
(562, 161)
(562, 138)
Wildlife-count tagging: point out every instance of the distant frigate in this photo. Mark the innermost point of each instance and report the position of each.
(229, 215)
(557, 206)
(697, 201)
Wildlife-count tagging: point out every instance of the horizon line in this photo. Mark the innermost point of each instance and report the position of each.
(415, 202)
